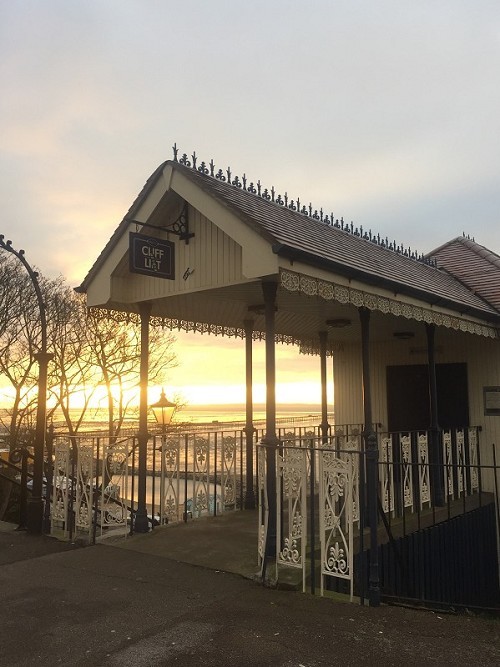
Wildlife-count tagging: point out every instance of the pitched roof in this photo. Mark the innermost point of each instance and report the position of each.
(474, 265)
(317, 243)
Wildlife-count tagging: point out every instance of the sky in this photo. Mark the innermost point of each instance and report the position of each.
(384, 112)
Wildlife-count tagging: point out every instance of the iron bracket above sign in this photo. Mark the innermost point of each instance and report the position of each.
(179, 227)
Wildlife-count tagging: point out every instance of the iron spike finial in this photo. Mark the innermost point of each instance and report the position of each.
(294, 205)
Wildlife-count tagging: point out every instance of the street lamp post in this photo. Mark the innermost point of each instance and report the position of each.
(163, 411)
(35, 503)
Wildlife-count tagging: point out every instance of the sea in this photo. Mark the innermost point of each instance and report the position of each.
(194, 415)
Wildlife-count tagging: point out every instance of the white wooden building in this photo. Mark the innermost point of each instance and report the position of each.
(414, 339)
(240, 235)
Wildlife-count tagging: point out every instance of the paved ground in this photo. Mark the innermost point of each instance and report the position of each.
(141, 606)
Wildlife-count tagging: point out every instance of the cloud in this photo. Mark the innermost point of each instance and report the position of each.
(349, 105)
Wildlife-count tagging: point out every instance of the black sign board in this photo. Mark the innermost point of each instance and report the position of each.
(151, 256)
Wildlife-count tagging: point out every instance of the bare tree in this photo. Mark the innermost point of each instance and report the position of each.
(19, 341)
(72, 377)
(116, 352)
(92, 351)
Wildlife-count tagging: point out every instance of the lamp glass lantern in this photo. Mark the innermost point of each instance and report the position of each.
(163, 410)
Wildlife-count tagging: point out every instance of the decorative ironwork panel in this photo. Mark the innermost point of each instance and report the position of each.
(170, 506)
(62, 486)
(263, 504)
(336, 518)
(473, 459)
(113, 501)
(352, 447)
(448, 464)
(228, 472)
(406, 473)
(387, 474)
(460, 460)
(292, 508)
(84, 486)
(423, 469)
(201, 476)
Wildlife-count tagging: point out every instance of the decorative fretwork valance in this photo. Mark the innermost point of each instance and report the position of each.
(299, 282)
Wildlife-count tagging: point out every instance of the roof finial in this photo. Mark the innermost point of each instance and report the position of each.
(288, 202)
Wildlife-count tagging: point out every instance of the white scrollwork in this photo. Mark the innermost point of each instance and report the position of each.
(326, 291)
(290, 281)
(228, 477)
(310, 286)
(405, 448)
(448, 463)
(336, 516)
(290, 553)
(170, 506)
(291, 508)
(61, 487)
(473, 459)
(384, 305)
(357, 298)
(423, 469)
(460, 444)
(386, 474)
(292, 471)
(370, 301)
(341, 294)
(336, 561)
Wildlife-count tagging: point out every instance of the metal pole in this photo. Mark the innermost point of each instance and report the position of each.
(141, 516)
(435, 448)
(371, 450)
(270, 440)
(35, 512)
(249, 428)
(35, 503)
(49, 474)
(323, 336)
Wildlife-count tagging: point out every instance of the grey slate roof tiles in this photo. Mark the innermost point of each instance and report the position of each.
(474, 265)
(352, 254)
(320, 244)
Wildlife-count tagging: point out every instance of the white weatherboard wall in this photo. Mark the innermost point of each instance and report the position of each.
(214, 256)
(482, 356)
